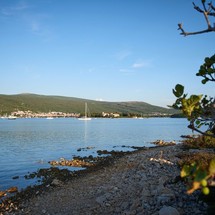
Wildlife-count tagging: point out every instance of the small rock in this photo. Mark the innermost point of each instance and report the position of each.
(146, 192)
(165, 198)
(43, 211)
(180, 204)
(101, 199)
(124, 205)
(15, 177)
(12, 190)
(115, 188)
(56, 182)
(167, 210)
(162, 180)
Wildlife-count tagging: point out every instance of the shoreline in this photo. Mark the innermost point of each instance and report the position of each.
(139, 182)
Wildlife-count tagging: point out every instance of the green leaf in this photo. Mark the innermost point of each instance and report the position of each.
(202, 71)
(194, 99)
(200, 175)
(207, 59)
(204, 81)
(193, 167)
(213, 58)
(211, 71)
(185, 171)
(212, 167)
(198, 123)
(190, 105)
(179, 90)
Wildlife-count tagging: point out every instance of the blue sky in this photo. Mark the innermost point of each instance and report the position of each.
(111, 50)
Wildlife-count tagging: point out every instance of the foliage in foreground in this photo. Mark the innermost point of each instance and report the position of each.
(198, 168)
(199, 142)
(199, 109)
(199, 177)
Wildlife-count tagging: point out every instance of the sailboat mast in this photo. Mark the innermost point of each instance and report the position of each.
(85, 117)
(85, 109)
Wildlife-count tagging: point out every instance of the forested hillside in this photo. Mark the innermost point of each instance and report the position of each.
(42, 103)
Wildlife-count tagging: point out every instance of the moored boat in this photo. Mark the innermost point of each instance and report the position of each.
(86, 116)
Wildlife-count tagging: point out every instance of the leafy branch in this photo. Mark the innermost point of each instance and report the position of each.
(199, 177)
(199, 110)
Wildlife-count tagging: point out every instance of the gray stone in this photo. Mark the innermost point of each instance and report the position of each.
(165, 197)
(56, 182)
(180, 204)
(43, 211)
(125, 205)
(101, 199)
(167, 210)
(162, 180)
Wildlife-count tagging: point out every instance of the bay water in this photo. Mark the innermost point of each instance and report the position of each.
(27, 145)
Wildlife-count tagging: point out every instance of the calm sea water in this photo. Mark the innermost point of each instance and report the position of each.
(28, 144)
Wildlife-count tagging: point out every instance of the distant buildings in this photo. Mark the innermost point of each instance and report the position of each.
(54, 114)
(110, 115)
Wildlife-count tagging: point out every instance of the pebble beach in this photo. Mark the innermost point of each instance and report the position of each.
(143, 182)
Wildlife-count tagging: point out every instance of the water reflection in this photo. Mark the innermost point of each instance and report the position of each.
(86, 131)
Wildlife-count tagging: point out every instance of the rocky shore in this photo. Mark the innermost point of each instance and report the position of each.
(141, 182)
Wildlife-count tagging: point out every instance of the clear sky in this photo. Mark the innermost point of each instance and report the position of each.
(111, 50)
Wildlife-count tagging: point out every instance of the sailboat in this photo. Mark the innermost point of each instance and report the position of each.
(85, 117)
(141, 117)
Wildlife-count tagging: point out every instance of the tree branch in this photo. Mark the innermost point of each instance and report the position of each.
(212, 7)
(206, 12)
(198, 8)
(199, 131)
(183, 32)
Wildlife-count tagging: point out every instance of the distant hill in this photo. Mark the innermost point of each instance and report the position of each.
(42, 103)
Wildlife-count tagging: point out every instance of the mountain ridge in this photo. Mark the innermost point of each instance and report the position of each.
(47, 103)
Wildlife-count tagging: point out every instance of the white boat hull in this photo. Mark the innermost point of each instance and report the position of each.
(85, 118)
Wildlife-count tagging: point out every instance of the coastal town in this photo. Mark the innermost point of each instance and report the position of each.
(56, 114)
(51, 114)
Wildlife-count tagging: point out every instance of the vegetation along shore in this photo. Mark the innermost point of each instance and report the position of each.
(145, 181)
